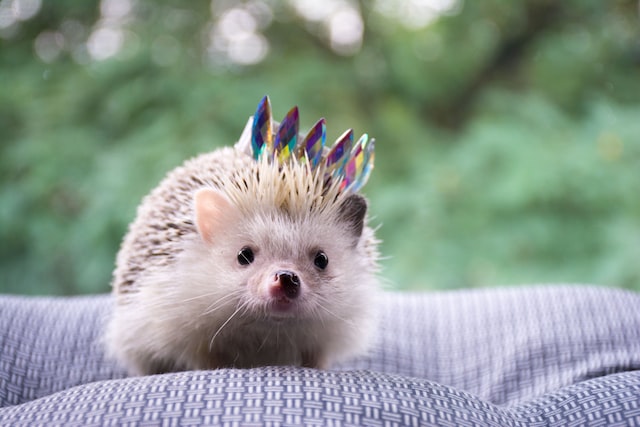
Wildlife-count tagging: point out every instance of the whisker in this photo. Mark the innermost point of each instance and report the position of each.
(286, 334)
(317, 316)
(171, 299)
(207, 295)
(264, 341)
(320, 305)
(216, 305)
(223, 325)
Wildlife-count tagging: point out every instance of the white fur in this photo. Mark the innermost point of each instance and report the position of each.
(201, 309)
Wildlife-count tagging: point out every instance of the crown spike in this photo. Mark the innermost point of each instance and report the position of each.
(355, 164)
(261, 134)
(287, 135)
(339, 153)
(314, 143)
(367, 165)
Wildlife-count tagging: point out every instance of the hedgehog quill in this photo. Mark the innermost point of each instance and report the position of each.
(251, 255)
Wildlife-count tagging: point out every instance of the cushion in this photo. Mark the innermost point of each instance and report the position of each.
(544, 355)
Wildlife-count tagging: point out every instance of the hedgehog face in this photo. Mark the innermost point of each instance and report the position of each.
(283, 265)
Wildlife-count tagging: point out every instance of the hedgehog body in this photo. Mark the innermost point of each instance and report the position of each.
(233, 262)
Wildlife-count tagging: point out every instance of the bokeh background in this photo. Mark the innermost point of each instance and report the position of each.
(508, 132)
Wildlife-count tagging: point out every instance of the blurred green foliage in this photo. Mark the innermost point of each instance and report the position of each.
(508, 133)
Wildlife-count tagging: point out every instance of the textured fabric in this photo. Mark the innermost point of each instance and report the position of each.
(289, 396)
(535, 356)
(51, 344)
(508, 344)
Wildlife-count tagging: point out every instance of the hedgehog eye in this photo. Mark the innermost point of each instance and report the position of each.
(245, 256)
(321, 260)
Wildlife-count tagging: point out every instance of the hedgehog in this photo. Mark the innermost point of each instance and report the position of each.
(252, 255)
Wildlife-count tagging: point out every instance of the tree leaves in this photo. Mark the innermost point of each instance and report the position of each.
(507, 132)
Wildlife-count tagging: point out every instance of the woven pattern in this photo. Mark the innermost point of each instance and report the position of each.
(51, 344)
(500, 357)
(508, 345)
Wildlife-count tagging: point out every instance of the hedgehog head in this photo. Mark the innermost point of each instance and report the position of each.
(297, 175)
(289, 188)
(292, 193)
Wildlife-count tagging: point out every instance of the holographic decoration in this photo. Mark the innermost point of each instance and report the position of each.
(314, 142)
(354, 165)
(345, 162)
(360, 163)
(261, 135)
(287, 136)
(339, 154)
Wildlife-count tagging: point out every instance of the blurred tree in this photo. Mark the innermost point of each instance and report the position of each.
(507, 131)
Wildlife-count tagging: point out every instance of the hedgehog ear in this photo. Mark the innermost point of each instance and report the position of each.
(213, 212)
(353, 210)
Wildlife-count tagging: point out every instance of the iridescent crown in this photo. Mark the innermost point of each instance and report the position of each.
(345, 161)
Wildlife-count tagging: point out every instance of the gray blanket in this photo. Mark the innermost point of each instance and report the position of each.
(553, 355)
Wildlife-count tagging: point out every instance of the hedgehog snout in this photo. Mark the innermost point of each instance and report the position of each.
(285, 283)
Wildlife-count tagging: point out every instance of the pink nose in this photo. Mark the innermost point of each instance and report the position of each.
(289, 283)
